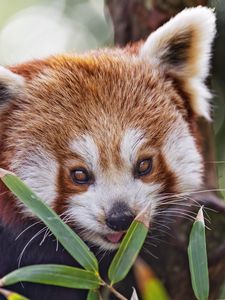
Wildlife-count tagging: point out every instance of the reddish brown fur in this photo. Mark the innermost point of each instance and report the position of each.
(89, 93)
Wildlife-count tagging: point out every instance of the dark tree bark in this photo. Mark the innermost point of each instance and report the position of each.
(134, 20)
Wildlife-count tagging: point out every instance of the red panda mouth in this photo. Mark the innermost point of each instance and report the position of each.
(114, 238)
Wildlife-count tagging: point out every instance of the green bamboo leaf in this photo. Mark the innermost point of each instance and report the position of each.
(67, 237)
(58, 275)
(11, 295)
(197, 255)
(15, 296)
(129, 247)
(93, 295)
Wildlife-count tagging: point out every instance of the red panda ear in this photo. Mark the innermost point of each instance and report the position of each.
(11, 85)
(182, 48)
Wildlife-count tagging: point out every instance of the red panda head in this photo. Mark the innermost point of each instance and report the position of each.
(98, 136)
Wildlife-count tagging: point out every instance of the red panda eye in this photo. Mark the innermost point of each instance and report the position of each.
(143, 167)
(80, 176)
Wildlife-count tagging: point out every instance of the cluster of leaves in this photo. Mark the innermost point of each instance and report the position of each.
(89, 277)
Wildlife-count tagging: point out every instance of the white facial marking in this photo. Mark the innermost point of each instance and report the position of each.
(87, 149)
(131, 143)
(39, 171)
(182, 156)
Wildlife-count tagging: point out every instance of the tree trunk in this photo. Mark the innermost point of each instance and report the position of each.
(134, 20)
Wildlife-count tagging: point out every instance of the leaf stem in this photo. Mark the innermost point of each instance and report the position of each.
(5, 292)
(115, 292)
(100, 296)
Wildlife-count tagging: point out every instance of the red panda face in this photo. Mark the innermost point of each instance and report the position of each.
(101, 135)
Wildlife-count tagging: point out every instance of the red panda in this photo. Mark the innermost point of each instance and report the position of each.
(100, 135)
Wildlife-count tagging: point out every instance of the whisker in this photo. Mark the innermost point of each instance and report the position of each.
(191, 212)
(155, 237)
(47, 233)
(205, 191)
(181, 202)
(164, 232)
(172, 214)
(28, 243)
(179, 198)
(185, 212)
(160, 224)
(27, 228)
(3, 193)
(104, 254)
(159, 239)
(148, 243)
(216, 162)
(57, 245)
(150, 253)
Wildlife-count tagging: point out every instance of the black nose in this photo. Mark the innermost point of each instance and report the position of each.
(119, 217)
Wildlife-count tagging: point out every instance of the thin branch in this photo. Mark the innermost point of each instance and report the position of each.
(116, 293)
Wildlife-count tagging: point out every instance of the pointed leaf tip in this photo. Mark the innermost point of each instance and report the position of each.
(200, 216)
(4, 172)
(197, 255)
(12, 295)
(134, 295)
(144, 216)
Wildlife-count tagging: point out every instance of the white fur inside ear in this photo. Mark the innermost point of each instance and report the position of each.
(200, 98)
(194, 29)
(11, 81)
(198, 21)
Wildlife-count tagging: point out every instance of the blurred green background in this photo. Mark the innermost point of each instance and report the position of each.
(37, 28)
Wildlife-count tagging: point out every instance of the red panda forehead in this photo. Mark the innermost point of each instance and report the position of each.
(105, 89)
(102, 96)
